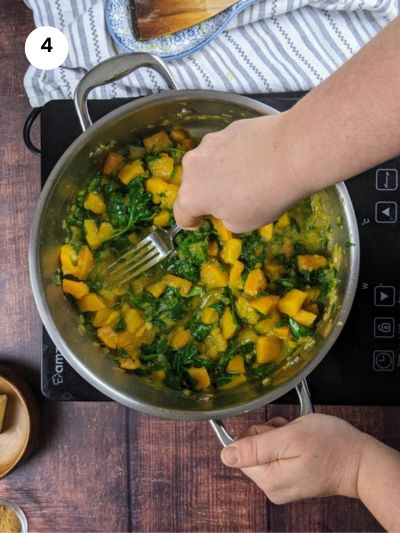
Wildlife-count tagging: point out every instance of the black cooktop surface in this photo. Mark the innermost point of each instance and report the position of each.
(363, 367)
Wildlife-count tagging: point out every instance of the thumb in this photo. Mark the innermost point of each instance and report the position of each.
(184, 219)
(253, 450)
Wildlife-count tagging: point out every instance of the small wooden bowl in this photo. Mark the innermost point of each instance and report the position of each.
(20, 421)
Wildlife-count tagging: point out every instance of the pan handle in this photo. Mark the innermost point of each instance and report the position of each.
(306, 408)
(113, 69)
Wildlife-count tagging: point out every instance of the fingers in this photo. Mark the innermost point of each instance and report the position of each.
(257, 429)
(184, 219)
(278, 421)
(261, 447)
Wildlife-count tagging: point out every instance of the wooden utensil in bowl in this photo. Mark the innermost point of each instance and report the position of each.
(155, 18)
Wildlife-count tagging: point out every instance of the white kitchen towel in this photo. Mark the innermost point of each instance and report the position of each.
(272, 46)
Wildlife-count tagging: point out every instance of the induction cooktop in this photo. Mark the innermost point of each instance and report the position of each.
(363, 367)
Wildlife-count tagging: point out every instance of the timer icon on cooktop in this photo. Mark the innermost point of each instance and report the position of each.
(383, 360)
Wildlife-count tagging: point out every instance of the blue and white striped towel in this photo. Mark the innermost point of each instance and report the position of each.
(272, 46)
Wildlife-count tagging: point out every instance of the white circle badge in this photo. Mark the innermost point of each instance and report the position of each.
(46, 48)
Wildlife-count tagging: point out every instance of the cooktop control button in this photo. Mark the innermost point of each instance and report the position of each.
(384, 296)
(383, 360)
(385, 212)
(387, 179)
(384, 327)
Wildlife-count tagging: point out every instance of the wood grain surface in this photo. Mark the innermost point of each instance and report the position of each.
(100, 467)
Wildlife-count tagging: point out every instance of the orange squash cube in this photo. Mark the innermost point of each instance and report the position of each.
(131, 170)
(182, 284)
(235, 274)
(283, 221)
(234, 382)
(68, 260)
(180, 339)
(156, 142)
(90, 303)
(213, 276)
(213, 249)
(209, 315)
(305, 318)
(236, 364)
(162, 218)
(176, 178)
(222, 231)
(157, 288)
(162, 167)
(268, 349)
(85, 263)
(95, 202)
(134, 320)
(129, 363)
(255, 282)
(77, 289)
(200, 375)
(266, 325)
(292, 301)
(266, 304)
(231, 251)
(112, 163)
(229, 325)
(108, 336)
(266, 232)
(311, 262)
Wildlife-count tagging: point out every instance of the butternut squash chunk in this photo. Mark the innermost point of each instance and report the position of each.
(91, 302)
(157, 288)
(162, 218)
(213, 276)
(162, 167)
(180, 339)
(305, 318)
(236, 364)
(209, 315)
(255, 282)
(311, 262)
(131, 170)
(234, 382)
(235, 274)
(182, 284)
(68, 260)
(112, 163)
(85, 263)
(231, 251)
(229, 324)
(222, 231)
(291, 302)
(266, 232)
(156, 142)
(268, 349)
(266, 304)
(77, 289)
(200, 376)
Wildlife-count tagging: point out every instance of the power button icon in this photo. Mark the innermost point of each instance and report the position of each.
(383, 360)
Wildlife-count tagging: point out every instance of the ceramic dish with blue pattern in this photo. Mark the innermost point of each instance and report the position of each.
(174, 46)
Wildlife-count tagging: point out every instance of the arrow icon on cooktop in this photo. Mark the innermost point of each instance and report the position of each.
(385, 295)
(386, 212)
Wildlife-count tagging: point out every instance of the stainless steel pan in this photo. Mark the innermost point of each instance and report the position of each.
(200, 112)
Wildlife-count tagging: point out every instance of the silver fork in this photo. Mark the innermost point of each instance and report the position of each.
(147, 253)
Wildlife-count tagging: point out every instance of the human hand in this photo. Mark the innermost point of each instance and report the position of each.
(315, 455)
(242, 175)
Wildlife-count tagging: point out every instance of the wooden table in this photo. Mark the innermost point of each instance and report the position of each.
(101, 467)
